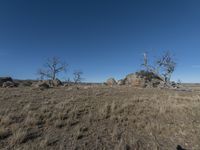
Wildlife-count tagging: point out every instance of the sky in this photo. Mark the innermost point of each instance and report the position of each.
(103, 38)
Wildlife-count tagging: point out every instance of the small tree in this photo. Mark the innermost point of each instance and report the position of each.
(52, 68)
(77, 76)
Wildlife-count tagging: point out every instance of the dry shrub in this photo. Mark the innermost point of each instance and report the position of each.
(31, 121)
(22, 135)
(105, 111)
(4, 133)
(59, 123)
(49, 140)
(19, 136)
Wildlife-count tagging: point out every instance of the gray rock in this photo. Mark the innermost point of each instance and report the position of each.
(111, 81)
(131, 79)
(5, 79)
(54, 83)
(135, 80)
(49, 83)
(8, 84)
(121, 82)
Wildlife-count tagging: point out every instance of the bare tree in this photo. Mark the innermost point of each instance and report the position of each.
(77, 76)
(166, 65)
(52, 68)
(145, 59)
(163, 68)
(150, 68)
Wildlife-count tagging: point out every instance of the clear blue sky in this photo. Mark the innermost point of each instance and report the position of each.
(103, 38)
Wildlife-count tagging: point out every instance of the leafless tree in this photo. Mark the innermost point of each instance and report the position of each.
(149, 67)
(164, 66)
(146, 63)
(78, 76)
(52, 68)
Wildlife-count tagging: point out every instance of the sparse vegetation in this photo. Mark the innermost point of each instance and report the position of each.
(4, 133)
(99, 116)
(135, 115)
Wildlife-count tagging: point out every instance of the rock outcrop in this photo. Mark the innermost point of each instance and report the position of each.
(111, 81)
(142, 79)
(121, 82)
(134, 80)
(48, 83)
(5, 79)
(54, 83)
(7, 82)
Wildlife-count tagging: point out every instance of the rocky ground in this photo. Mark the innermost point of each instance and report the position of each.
(99, 117)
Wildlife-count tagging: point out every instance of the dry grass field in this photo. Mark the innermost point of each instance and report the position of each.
(99, 118)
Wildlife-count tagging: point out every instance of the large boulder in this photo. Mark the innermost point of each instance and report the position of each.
(111, 81)
(49, 83)
(130, 79)
(54, 83)
(134, 80)
(5, 79)
(8, 84)
(121, 82)
(143, 79)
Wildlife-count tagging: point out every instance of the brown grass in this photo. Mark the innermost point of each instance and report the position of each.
(4, 133)
(99, 117)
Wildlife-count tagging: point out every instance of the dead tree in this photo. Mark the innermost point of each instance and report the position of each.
(150, 68)
(163, 68)
(78, 76)
(166, 65)
(52, 68)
